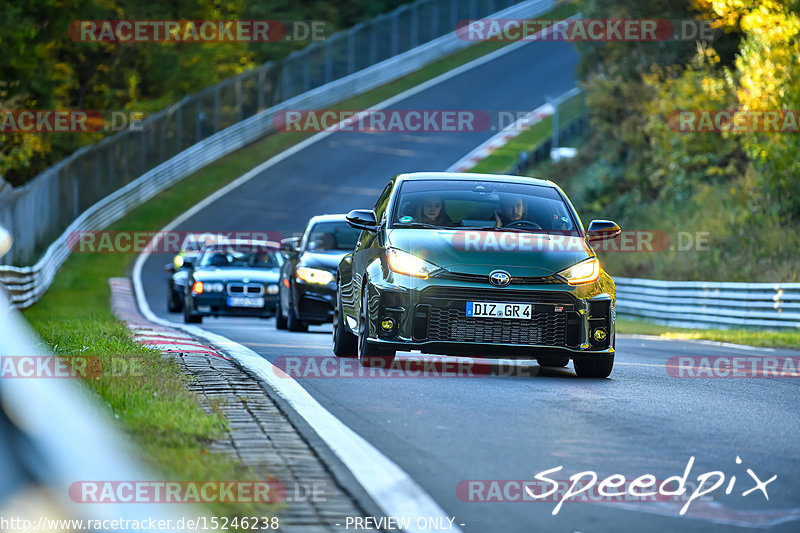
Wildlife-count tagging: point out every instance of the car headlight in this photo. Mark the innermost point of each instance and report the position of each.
(584, 272)
(314, 275)
(213, 287)
(178, 262)
(409, 264)
(272, 289)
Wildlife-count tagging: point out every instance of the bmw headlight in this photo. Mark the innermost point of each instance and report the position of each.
(584, 272)
(213, 287)
(409, 264)
(314, 275)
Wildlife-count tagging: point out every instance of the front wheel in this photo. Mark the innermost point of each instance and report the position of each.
(369, 355)
(189, 317)
(345, 344)
(293, 322)
(599, 366)
(280, 320)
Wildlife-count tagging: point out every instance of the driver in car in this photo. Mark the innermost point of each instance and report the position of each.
(512, 209)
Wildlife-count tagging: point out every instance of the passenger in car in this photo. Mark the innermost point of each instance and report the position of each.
(432, 210)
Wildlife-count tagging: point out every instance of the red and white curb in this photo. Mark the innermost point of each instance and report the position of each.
(501, 138)
(168, 341)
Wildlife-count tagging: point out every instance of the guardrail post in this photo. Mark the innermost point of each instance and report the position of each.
(414, 25)
(217, 108)
(556, 105)
(328, 62)
(434, 19)
(262, 74)
(395, 32)
(178, 127)
(239, 106)
(307, 70)
(453, 14)
(351, 48)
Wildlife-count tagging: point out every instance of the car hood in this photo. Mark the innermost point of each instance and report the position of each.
(262, 275)
(325, 260)
(480, 252)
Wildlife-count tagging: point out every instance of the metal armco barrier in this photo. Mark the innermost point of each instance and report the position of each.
(705, 304)
(34, 211)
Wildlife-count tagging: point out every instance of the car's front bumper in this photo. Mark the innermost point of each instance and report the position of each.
(430, 316)
(216, 304)
(314, 302)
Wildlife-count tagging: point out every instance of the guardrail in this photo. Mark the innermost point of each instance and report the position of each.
(705, 304)
(27, 284)
(54, 434)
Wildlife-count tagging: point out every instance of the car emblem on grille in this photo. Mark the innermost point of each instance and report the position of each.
(499, 278)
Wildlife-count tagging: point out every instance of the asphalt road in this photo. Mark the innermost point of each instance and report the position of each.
(448, 431)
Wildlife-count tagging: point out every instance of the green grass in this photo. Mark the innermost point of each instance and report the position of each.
(503, 159)
(752, 337)
(154, 406)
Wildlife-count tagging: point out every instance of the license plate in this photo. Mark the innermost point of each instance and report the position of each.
(499, 310)
(241, 301)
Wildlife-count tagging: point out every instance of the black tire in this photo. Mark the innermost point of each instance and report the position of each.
(172, 304)
(369, 355)
(189, 317)
(294, 323)
(553, 360)
(345, 344)
(598, 366)
(280, 320)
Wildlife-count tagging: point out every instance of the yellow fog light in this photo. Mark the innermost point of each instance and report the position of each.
(387, 324)
(600, 334)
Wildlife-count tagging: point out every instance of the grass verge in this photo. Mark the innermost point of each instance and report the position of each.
(752, 337)
(155, 407)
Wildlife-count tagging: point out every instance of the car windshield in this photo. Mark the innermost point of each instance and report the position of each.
(332, 236)
(247, 257)
(482, 204)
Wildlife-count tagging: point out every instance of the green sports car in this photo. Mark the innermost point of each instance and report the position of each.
(477, 265)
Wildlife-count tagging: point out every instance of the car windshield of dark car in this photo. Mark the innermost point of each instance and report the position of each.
(482, 204)
(239, 258)
(332, 236)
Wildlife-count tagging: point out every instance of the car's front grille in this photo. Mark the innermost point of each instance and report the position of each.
(433, 294)
(451, 324)
(447, 320)
(245, 289)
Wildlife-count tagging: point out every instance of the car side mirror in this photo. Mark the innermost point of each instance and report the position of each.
(602, 230)
(289, 246)
(363, 219)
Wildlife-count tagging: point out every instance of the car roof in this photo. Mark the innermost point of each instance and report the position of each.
(470, 176)
(245, 242)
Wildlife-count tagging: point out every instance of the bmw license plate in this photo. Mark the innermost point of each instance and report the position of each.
(499, 310)
(241, 301)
